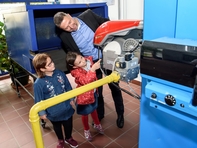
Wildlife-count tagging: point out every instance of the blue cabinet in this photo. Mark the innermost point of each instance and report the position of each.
(186, 23)
(159, 18)
(170, 18)
(168, 54)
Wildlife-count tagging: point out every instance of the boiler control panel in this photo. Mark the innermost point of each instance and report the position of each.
(170, 96)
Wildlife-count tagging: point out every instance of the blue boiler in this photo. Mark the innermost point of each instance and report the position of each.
(168, 112)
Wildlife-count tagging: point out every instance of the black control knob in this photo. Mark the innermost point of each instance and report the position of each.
(170, 100)
(153, 96)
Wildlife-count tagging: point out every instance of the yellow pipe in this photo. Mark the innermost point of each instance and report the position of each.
(33, 114)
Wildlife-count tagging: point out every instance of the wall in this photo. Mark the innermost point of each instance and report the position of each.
(118, 9)
(128, 9)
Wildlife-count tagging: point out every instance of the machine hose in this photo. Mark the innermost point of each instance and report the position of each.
(136, 96)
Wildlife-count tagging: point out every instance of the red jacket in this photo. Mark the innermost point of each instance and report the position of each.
(83, 77)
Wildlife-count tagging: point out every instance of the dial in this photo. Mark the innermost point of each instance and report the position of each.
(170, 100)
(154, 96)
(130, 44)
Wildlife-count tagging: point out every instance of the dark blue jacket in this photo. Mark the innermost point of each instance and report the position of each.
(48, 87)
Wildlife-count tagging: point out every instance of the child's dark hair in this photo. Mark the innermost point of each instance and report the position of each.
(70, 59)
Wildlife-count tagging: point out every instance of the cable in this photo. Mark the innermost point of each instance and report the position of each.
(131, 89)
(135, 95)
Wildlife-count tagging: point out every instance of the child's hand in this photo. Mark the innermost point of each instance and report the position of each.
(72, 103)
(96, 66)
(43, 117)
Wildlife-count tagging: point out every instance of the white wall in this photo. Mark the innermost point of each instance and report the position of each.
(118, 9)
(126, 9)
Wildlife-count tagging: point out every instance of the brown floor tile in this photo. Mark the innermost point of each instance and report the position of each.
(3, 127)
(5, 135)
(49, 139)
(19, 105)
(11, 143)
(23, 111)
(1, 119)
(113, 145)
(6, 110)
(15, 122)
(132, 106)
(100, 141)
(134, 131)
(10, 115)
(15, 125)
(113, 132)
(133, 118)
(126, 141)
(86, 144)
(24, 138)
(20, 130)
(30, 145)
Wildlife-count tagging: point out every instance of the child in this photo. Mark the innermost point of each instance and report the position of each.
(52, 82)
(83, 70)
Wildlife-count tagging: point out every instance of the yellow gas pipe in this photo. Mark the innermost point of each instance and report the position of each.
(33, 114)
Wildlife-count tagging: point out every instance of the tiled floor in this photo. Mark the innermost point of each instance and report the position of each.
(16, 132)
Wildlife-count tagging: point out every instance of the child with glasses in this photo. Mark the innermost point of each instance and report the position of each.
(50, 83)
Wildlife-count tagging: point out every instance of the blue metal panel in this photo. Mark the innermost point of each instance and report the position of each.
(18, 36)
(32, 30)
(186, 20)
(26, 1)
(162, 126)
(159, 19)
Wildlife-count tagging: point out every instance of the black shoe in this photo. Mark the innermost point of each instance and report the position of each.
(120, 121)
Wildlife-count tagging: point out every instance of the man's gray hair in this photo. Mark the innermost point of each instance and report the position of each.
(58, 18)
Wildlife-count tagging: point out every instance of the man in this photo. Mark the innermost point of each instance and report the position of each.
(77, 34)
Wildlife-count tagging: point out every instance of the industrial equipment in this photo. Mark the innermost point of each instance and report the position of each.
(168, 113)
(119, 40)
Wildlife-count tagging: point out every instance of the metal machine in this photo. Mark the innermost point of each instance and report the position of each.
(168, 113)
(119, 41)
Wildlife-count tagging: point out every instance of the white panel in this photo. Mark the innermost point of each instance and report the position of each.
(113, 11)
(126, 9)
(134, 9)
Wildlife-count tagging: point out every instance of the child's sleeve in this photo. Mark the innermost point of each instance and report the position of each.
(38, 96)
(83, 78)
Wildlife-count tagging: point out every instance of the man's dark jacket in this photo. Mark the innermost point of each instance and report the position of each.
(91, 19)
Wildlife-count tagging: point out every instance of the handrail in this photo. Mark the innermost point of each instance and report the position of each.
(33, 114)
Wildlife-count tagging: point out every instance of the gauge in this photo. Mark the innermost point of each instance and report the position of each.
(130, 44)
